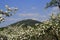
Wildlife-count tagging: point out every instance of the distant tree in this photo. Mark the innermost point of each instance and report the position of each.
(7, 13)
(53, 3)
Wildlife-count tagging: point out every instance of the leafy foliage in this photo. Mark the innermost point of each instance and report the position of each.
(53, 3)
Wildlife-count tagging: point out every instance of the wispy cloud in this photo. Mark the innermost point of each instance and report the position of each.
(33, 8)
(11, 19)
(29, 14)
(34, 16)
(55, 10)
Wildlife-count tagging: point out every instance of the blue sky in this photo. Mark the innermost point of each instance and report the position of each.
(27, 9)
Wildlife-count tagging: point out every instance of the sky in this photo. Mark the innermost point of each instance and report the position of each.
(27, 9)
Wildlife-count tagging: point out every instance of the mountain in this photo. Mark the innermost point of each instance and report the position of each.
(23, 23)
(27, 22)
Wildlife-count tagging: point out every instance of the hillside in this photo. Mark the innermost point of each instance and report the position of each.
(27, 22)
(23, 23)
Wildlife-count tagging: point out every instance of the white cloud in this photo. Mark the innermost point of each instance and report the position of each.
(55, 10)
(33, 7)
(34, 16)
(29, 14)
(11, 19)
